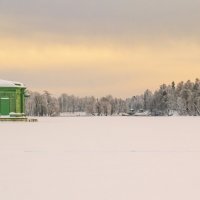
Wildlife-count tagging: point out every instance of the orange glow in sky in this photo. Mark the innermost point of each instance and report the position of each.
(119, 47)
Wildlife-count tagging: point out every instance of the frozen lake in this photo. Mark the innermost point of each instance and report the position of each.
(101, 158)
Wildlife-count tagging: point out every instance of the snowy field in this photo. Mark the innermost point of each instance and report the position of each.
(101, 158)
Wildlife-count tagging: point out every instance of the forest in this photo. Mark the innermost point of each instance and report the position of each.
(182, 98)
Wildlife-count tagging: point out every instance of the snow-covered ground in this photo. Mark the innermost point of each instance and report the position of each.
(73, 114)
(101, 158)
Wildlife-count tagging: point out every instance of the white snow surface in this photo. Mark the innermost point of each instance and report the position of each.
(101, 158)
(4, 83)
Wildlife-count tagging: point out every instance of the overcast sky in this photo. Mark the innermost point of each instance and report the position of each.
(90, 47)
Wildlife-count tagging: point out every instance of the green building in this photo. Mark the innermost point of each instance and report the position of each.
(12, 98)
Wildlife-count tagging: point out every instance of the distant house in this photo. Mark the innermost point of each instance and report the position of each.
(12, 97)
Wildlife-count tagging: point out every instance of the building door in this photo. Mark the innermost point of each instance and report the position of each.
(5, 106)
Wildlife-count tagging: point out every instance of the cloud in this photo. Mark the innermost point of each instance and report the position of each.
(105, 18)
(98, 68)
(99, 47)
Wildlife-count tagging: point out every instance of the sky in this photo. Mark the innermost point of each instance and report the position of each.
(90, 47)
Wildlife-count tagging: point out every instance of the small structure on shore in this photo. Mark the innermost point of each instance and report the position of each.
(12, 101)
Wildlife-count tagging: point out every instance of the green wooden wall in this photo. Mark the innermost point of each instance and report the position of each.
(15, 98)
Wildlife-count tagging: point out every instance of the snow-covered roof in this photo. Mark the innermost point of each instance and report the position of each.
(4, 83)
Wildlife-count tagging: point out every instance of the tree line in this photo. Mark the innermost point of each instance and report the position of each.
(182, 98)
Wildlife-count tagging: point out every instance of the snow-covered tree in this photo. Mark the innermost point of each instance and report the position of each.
(184, 98)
